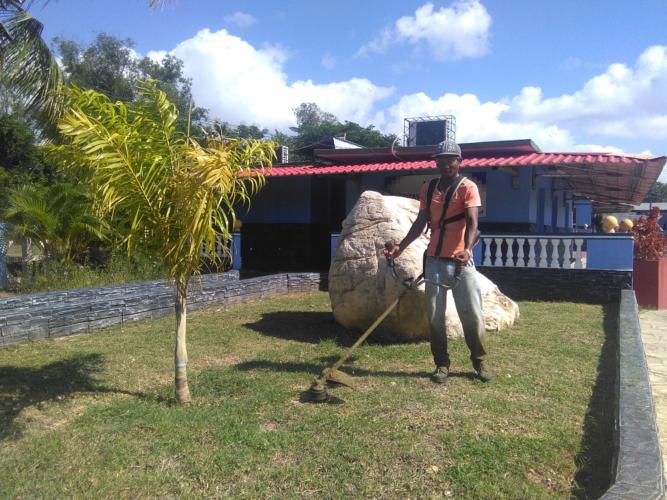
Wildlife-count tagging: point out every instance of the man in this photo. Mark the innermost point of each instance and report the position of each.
(449, 259)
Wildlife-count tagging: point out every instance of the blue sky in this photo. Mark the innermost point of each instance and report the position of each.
(571, 75)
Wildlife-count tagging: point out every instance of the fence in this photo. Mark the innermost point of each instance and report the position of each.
(573, 251)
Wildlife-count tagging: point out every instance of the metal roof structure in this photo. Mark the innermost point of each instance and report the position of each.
(606, 179)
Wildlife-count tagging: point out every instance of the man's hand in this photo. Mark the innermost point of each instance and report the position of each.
(462, 258)
(392, 253)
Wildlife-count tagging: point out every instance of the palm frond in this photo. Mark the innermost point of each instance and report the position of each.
(165, 192)
(26, 62)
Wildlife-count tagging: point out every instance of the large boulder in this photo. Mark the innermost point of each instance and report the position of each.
(361, 285)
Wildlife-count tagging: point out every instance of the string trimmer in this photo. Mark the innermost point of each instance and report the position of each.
(317, 393)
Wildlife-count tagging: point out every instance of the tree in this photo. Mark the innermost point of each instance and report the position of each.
(168, 195)
(109, 66)
(26, 63)
(169, 76)
(309, 114)
(658, 193)
(240, 131)
(21, 161)
(59, 217)
(313, 125)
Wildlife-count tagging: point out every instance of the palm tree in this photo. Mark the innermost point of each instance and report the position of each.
(164, 192)
(60, 218)
(27, 66)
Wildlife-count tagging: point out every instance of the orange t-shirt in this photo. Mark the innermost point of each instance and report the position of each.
(467, 195)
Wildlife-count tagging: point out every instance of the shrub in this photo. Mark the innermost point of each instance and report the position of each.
(649, 239)
(50, 275)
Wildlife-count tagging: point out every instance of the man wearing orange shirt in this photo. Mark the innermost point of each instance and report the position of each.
(449, 259)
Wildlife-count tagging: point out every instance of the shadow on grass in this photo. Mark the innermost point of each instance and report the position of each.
(313, 327)
(303, 326)
(315, 369)
(594, 459)
(22, 387)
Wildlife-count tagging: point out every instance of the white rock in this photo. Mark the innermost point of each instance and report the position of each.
(361, 286)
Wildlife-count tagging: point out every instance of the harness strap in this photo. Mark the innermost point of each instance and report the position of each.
(443, 221)
(429, 196)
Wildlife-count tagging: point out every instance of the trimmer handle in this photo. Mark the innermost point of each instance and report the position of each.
(389, 245)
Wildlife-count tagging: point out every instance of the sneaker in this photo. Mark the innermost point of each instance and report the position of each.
(440, 375)
(482, 373)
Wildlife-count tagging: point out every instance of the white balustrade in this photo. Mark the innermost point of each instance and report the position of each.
(544, 251)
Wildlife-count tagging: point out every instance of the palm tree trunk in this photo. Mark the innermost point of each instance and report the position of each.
(26, 252)
(181, 352)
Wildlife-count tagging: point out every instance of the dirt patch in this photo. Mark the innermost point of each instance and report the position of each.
(206, 361)
(49, 416)
(269, 426)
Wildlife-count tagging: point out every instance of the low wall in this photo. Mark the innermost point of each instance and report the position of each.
(637, 466)
(27, 317)
(575, 285)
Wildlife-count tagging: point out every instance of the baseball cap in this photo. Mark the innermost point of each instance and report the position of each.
(447, 148)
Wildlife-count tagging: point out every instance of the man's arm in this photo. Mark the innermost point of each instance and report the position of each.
(470, 238)
(472, 216)
(415, 230)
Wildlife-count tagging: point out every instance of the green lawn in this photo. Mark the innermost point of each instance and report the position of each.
(93, 415)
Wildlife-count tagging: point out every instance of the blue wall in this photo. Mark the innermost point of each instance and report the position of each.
(505, 203)
(610, 252)
(288, 200)
(584, 214)
(357, 184)
(284, 200)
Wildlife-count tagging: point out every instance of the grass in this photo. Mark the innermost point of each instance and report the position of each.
(92, 415)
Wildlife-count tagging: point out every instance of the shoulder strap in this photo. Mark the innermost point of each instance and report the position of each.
(443, 222)
(429, 196)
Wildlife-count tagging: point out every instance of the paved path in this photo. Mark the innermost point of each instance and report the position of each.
(654, 335)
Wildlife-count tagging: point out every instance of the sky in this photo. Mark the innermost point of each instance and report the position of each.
(572, 75)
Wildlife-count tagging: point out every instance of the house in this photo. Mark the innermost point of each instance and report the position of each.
(524, 192)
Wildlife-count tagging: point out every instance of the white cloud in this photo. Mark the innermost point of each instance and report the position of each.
(626, 102)
(134, 55)
(241, 19)
(476, 120)
(378, 44)
(455, 32)
(156, 55)
(328, 61)
(622, 103)
(242, 84)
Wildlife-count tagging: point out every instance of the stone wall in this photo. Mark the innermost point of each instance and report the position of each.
(27, 317)
(575, 285)
(637, 461)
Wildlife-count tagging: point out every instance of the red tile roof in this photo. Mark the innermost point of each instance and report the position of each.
(604, 177)
(533, 159)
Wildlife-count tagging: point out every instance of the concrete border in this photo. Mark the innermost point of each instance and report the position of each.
(637, 464)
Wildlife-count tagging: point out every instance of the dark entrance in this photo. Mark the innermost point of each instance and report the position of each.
(298, 247)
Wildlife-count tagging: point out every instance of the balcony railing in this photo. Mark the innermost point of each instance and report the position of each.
(555, 251)
(550, 251)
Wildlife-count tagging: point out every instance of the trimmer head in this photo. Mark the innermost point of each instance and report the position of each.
(317, 393)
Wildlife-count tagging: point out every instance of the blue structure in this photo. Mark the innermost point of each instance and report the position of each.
(523, 190)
